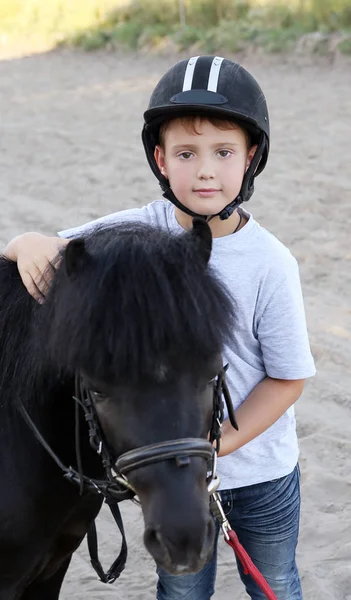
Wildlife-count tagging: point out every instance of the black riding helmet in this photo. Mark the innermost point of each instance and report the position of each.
(209, 86)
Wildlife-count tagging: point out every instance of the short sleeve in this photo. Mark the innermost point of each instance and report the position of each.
(106, 221)
(154, 213)
(282, 331)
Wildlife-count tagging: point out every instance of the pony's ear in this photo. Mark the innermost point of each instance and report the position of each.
(202, 233)
(75, 256)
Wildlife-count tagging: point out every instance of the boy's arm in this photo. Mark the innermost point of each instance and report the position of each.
(268, 401)
(282, 334)
(35, 253)
(36, 257)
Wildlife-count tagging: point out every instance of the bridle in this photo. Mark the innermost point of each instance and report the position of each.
(116, 487)
(180, 450)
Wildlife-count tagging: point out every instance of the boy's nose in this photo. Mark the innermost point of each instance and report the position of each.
(206, 172)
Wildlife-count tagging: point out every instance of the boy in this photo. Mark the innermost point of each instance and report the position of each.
(206, 137)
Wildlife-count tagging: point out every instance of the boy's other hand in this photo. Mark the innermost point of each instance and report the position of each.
(37, 257)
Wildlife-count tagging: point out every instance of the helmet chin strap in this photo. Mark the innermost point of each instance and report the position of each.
(224, 214)
(246, 191)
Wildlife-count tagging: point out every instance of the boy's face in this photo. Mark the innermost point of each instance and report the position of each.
(205, 169)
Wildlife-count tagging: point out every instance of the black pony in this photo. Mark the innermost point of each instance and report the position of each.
(140, 317)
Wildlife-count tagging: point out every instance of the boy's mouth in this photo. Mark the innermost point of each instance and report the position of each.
(203, 192)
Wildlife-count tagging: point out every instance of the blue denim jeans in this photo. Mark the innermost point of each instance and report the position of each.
(266, 518)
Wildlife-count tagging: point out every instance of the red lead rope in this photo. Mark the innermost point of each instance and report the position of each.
(231, 538)
(248, 565)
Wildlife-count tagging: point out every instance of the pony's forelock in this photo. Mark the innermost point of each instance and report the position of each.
(143, 302)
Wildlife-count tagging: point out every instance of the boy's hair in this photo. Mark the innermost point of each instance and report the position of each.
(192, 122)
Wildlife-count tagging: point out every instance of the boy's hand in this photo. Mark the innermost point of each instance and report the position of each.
(36, 257)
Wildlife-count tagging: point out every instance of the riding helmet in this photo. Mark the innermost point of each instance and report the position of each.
(209, 86)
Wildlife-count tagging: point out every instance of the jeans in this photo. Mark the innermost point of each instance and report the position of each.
(265, 517)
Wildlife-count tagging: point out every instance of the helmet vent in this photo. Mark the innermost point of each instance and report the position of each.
(189, 73)
(214, 74)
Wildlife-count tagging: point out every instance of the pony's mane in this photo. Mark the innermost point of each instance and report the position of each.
(20, 365)
(140, 299)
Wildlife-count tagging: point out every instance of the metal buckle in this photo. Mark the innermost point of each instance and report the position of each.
(122, 480)
(212, 479)
(218, 513)
(213, 485)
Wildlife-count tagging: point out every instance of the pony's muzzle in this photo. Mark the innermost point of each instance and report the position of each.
(182, 551)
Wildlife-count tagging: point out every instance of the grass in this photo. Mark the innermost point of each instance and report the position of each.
(211, 25)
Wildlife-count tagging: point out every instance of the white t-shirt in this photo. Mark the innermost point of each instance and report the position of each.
(270, 336)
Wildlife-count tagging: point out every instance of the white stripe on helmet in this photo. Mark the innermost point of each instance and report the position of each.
(189, 73)
(214, 74)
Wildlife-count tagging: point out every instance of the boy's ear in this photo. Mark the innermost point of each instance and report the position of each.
(160, 160)
(250, 156)
(75, 256)
(203, 235)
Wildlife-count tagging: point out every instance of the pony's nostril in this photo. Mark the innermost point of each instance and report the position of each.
(153, 537)
(154, 542)
(155, 545)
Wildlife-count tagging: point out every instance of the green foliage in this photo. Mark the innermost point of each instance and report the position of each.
(234, 36)
(92, 40)
(127, 34)
(272, 15)
(228, 35)
(332, 14)
(205, 13)
(149, 12)
(345, 45)
(184, 37)
(230, 25)
(213, 25)
(278, 39)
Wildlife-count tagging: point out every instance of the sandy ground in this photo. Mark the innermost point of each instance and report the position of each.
(70, 151)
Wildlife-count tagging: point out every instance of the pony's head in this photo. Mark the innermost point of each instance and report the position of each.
(139, 313)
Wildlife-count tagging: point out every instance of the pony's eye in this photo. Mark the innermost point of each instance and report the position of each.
(99, 396)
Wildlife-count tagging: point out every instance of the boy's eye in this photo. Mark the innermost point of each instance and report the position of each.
(185, 155)
(224, 153)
